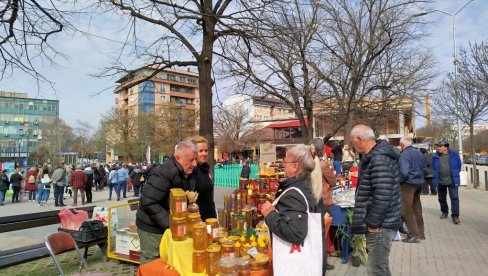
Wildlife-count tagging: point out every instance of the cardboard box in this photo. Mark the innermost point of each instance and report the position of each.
(134, 242)
(122, 242)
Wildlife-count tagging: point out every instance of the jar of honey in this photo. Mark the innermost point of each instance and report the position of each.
(213, 255)
(191, 220)
(199, 261)
(200, 236)
(179, 205)
(212, 229)
(228, 267)
(261, 201)
(178, 229)
(263, 185)
(244, 266)
(243, 184)
(227, 249)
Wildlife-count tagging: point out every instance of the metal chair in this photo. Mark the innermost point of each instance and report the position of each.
(61, 242)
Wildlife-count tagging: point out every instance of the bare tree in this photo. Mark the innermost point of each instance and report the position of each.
(54, 137)
(275, 60)
(122, 132)
(27, 28)
(371, 55)
(190, 30)
(464, 93)
(234, 129)
(437, 130)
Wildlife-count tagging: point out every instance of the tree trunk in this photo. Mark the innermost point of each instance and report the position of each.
(206, 83)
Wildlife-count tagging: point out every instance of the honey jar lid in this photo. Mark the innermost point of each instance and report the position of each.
(213, 248)
(199, 251)
(178, 219)
(193, 215)
(200, 225)
(211, 220)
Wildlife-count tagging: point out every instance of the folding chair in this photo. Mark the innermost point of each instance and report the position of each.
(61, 242)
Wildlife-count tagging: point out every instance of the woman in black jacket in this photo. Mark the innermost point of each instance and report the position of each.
(204, 184)
(16, 181)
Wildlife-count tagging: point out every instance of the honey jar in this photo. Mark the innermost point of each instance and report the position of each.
(261, 201)
(191, 220)
(212, 229)
(200, 236)
(227, 249)
(213, 255)
(178, 229)
(199, 261)
(179, 205)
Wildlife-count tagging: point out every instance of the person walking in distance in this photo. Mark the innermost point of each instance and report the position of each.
(113, 181)
(378, 198)
(77, 180)
(58, 180)
(412, 169)
(429, 173)
(123, 176)
(447, 166)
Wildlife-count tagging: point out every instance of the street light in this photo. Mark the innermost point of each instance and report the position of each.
(453, 16)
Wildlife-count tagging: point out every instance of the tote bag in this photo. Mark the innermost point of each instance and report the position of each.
(302, 259)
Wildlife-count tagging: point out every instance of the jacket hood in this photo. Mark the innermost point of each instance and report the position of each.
(382, 147)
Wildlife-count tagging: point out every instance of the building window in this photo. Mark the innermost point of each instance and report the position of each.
(171, 77)
(192, 81)
(182, 79)
(163, 88)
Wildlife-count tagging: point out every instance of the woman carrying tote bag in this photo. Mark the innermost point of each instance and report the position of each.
(296, 229)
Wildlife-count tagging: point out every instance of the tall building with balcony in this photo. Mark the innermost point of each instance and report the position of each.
(169, 91)
(22, 119)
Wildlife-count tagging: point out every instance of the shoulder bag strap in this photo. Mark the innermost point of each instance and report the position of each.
(296, 189)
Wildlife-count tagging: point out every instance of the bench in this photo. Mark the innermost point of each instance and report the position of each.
(24, 254)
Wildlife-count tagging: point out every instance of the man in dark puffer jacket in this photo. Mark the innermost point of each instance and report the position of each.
(153, 215)
(378, 198)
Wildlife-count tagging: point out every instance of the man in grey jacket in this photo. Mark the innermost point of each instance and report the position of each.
(378, 201)
(58, 180)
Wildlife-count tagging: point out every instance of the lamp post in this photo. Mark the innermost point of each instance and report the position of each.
(453, 16)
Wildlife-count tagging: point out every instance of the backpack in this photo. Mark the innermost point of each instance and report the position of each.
(32, 179)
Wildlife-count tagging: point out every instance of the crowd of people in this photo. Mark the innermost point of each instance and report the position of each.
(38, 183)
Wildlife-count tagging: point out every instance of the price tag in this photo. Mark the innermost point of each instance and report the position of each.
(253, 252)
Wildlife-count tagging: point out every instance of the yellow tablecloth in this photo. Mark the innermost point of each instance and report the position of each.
(177, 254)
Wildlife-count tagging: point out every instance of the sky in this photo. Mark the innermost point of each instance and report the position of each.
(86, 98)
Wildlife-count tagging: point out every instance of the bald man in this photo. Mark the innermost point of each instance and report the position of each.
(152, 217)
(378, 198)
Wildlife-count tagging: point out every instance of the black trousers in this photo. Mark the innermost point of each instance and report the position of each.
(88, 192)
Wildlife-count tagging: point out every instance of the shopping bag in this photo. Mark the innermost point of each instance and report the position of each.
(302, 259)
(101, 214)
(71, 218)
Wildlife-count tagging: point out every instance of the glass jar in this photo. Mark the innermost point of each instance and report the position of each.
(178, 229)
(228, 267)
(261, 201)
(227, 249)
(244, 267)
(199, 261)
(178, 207)
(263, 185)
(200, 236)
(213, 255)
(243, 184)
(212, 229)
(191, 220)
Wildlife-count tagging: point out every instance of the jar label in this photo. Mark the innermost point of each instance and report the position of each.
(181, 207)
(215, 233)
(260, 206)
(227, 254)
(209, 229)
(181, 230)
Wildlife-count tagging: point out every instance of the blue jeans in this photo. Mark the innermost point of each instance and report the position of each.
(45, 195)
(40, 192)
(337, 167)
(58, 195)
(122, 186)
(2, 196)
(111, 187)
(32, 195)
(453, 195)
(379, 245)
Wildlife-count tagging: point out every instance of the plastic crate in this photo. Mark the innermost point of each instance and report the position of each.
(86, 235)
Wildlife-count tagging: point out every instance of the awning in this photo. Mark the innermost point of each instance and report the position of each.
(291, 123)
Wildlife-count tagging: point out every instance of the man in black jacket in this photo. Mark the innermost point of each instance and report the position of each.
(153, 215)
(378, 198)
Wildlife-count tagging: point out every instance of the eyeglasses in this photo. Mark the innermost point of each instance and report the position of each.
(286, 162)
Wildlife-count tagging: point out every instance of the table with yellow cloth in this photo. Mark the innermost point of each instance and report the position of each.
(176, 257)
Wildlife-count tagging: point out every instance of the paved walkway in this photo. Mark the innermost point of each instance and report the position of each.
(448, 250)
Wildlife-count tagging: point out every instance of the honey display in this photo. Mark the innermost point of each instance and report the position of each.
(199, 261)
(200, 236)
(191, 220)
(178, 229)
(213, 229)
(237, 249)
(243, 184)
(261, 201)
(244, 266)
(263, 185)
(228, 267)
(213, 257)
(179, 204)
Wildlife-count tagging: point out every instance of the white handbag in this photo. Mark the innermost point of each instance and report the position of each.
(302, 259)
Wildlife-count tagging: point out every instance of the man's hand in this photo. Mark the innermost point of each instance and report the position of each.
(373, 230)
(267, 208)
